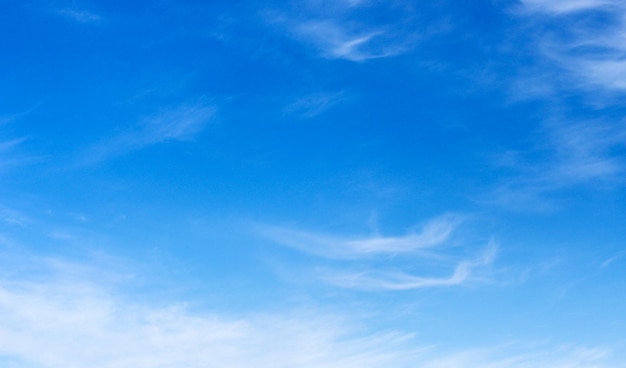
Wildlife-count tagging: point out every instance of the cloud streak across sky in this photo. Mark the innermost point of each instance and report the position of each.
(427, 243)
(178, 124)
(434, 233)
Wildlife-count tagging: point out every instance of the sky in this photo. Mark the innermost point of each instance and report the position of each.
(313, 183)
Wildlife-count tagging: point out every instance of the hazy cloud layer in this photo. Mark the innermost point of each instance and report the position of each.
(66, 320)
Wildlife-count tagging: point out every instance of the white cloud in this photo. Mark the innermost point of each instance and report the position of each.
(53, 324)
(80, 16)
(71, 315)
(178, 124)
(13, 217)
(584, 151)
(10, 156)
(434, 233)
(335, 41)
(395, 280)
(336, 29)
(62, 323)
(565, 6)
(516, 356)
(574, 154)
(315, 104)
(590, 53)
(429, 246)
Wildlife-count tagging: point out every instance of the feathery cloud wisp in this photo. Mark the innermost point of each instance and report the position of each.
(334, 41)
(315, 104)
(433, 233)
(574, 154)
(80, 16)
(564, 6)
(368, 250)
(179, 124)
(591, 53)
(397, 280)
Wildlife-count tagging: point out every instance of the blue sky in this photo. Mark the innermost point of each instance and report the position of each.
(349, 183)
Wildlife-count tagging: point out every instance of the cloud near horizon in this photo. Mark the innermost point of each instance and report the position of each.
(69, 319)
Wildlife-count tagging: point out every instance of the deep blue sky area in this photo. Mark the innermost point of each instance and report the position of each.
(312, 183)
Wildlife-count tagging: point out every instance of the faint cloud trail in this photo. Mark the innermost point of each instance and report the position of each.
(177, 124)
(427, 243)
(590, 53)
(435, 232)
(80, 16)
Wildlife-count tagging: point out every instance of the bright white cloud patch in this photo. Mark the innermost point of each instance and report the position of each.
(72, 318)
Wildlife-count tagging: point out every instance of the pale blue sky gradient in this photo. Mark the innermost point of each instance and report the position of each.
(313, 184)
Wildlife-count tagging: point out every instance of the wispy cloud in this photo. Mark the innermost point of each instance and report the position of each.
(70, 320)
(573, 154)
(417, 246)
(74, 317)
(178, 124)
(396, 280)
(434, 233)
(334, 30)
(315, 104)
(535, 355)
(565, 6)
(80, 16)
(13, 217)
(336, 41)
(612, 259)
(73, 322)
(590, 52)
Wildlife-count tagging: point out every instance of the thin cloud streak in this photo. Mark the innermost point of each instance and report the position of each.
(347, 251)
(315, 104)
(520, 356)
(395, 281)
(80, 16)
(560, 7)
(334, 32)
(178, 124)
(335, 42)
(434, 233)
